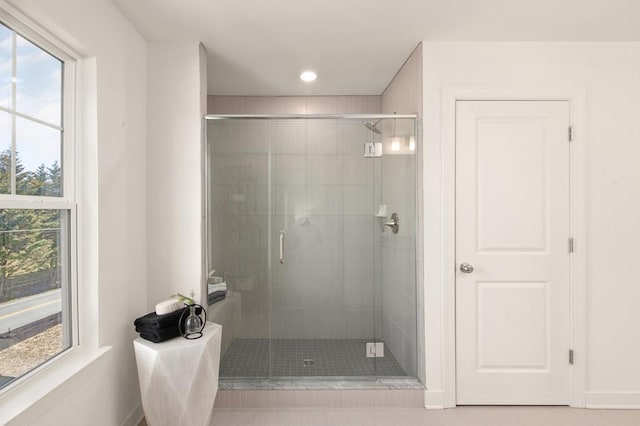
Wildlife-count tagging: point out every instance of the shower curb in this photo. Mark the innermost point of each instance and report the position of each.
(310, 398)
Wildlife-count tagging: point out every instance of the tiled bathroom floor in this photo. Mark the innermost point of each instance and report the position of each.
(331, 357)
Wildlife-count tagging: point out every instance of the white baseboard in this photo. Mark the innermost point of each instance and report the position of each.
(135, 417)
(613, 400)
(434, 399)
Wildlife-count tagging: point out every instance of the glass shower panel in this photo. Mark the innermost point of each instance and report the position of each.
(396, 272)
(239, 243)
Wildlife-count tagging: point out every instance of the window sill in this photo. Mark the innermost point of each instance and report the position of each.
(37, 389)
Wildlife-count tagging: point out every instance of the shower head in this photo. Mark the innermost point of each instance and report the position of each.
(372, 126)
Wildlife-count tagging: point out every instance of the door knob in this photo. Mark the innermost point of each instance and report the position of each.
(466, 268)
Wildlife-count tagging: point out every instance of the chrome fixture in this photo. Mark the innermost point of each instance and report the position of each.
(282, 233)
(373, 126)
(373, 150)
(466, 268)
(366, 117)
(393, 223)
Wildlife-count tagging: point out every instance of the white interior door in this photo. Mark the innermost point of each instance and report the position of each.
(512, 229)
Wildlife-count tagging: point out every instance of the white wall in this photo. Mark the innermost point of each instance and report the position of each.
(112, 145)
(400, 311)
(610, 74)
(174, 170)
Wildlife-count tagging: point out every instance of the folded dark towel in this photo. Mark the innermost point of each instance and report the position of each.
(158, 335)
(149, 329)
(156, 339)
(217, 294)
(216, 297)
(162, 321)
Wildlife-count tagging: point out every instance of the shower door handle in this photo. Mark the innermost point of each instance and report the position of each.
(282, 246)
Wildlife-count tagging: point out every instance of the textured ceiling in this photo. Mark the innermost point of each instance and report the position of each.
(356, 46)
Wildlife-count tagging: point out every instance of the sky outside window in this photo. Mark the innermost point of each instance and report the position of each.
(38, 83)
(38, 96)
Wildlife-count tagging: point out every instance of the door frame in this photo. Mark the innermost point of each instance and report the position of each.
(577, 172)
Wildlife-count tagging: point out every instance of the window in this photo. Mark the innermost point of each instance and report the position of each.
(37, 206)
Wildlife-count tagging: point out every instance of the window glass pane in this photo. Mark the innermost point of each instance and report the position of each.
(39, 149)
(38, 83)
(34, 289)
(5, 153)
(5, 66)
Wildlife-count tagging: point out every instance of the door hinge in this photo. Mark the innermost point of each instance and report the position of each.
(570, 133)
(375, 349)
(571, 356)
(571, 245)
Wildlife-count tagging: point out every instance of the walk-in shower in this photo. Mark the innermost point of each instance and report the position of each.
(318, 286)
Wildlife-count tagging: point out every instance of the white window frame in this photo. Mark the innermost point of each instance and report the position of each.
(31, 31)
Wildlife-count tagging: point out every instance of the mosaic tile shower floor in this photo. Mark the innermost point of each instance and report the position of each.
(331, 358)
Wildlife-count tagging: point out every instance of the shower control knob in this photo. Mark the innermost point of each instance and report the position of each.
(466, 268)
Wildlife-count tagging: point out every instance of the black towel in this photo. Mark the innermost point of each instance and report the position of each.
(216, 297)
(155, 339)
(162, 321)
(158, 335)
(149, 329)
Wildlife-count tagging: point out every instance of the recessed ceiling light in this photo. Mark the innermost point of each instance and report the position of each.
(308, 76)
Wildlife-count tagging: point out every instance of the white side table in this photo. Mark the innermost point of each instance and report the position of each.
(179, 378)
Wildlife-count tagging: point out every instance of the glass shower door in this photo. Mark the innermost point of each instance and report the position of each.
(322, 251)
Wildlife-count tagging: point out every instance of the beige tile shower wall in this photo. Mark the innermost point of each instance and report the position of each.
(294, 104)
(397, 277)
